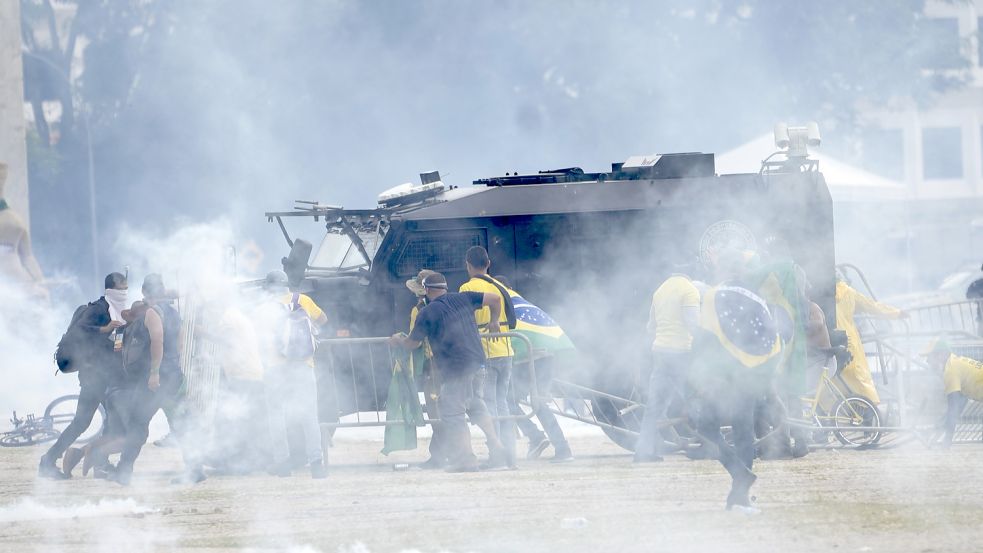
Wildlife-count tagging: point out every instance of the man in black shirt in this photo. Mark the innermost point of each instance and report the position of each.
(99, 367)
(448, 323)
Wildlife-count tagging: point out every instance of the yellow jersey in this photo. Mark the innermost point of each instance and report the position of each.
(964, 375)
(493, 347)
(666, 314)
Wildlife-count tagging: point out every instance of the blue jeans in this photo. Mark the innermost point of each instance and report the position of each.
(666, 383)
(495, 391)
(291, 395)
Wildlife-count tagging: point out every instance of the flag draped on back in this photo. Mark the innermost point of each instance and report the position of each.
(781, 284)
(535, 324)
(742, 323)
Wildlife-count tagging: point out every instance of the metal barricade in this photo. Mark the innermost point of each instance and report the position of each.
(353, 365)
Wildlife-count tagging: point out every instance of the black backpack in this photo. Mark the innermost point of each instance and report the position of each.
(69, 350)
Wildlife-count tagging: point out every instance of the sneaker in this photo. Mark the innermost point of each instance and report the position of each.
(318, 470)
(748, 510)
(563, 455)
(48, 469)
(497, 460)
(537, 447)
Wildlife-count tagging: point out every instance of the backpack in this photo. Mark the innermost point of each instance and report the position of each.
(136, 348)
(70, 347)
(298, 338)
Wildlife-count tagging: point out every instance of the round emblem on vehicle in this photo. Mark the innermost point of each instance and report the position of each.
(727, 234)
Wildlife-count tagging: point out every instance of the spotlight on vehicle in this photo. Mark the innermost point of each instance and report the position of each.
(797, 140)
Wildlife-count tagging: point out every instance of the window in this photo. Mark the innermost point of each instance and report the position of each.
(439, 250)
(941, 43)
(942, 152)
(883, 152)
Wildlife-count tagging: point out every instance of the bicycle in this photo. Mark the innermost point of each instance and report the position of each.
(32, 430)
(852, 420)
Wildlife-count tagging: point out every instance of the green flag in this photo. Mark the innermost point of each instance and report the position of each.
(402, 404)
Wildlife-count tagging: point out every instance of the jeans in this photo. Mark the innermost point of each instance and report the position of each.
(521, 389)
(457, 396)
(665, 384)
(137, 406)
(291, 394)
(90, 396)
(495, 393)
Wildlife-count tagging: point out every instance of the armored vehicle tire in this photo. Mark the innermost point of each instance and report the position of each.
(607, 413)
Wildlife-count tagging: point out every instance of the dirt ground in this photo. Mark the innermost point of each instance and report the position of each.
(899, 499)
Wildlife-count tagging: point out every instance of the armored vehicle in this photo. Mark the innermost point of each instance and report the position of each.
(587, 248)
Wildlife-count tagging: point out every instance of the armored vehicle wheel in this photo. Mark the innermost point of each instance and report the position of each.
(609, 412)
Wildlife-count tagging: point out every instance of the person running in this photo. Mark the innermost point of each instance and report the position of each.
(674, 315)
(736, 353)
(152, 367)
(292, 322)
(963, 381)
(99, 367)
(498, 351)
(447, 323)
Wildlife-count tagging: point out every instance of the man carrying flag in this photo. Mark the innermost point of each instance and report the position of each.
(550, 344)
(736, 353)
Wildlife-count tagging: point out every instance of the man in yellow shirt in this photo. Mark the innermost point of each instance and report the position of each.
(289, 376)
(675, 313)
(498, 351)
(963, 380)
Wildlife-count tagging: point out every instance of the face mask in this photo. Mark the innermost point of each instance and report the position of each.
(118, 301)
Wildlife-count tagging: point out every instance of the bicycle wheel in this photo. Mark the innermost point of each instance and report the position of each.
(856, 412)
(27, 436)
(60, 412)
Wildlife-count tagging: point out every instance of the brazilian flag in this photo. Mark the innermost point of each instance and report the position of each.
(781, 285)
(542, 331)
(742, 323)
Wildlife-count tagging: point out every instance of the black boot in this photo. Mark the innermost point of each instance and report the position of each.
(48, 469)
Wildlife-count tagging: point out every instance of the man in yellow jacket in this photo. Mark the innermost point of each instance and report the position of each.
(856, 374)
